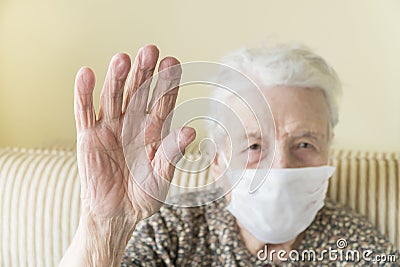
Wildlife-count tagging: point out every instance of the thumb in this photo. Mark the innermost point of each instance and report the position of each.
(171, 150)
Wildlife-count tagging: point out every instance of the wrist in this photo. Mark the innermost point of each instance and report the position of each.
(99, 241)
(105, 239)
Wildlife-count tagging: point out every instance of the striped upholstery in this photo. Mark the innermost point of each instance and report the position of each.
(39, 205)
(39, 198)
(369, 183)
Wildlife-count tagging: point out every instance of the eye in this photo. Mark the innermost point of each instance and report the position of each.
(254, 147)
(306, 145)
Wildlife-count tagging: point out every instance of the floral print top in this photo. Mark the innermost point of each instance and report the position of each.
(208, 235)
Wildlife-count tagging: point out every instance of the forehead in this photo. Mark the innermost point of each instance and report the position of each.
(293, 110)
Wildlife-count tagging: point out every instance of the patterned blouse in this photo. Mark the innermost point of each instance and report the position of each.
(208, 235)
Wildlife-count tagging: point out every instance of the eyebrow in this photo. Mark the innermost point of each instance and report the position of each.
(309, 134)
(253, 134)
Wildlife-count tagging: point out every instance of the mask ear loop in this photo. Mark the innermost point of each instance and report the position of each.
(225, 161)
(228, 182)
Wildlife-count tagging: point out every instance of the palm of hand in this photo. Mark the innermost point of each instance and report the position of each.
(134, 183)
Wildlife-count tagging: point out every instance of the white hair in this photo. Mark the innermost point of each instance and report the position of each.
(286, 64)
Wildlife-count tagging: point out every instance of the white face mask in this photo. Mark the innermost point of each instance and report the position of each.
(285, 203)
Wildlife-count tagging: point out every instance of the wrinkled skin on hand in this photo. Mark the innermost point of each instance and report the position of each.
(109, 187)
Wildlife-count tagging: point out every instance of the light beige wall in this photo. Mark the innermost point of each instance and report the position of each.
(43, 43)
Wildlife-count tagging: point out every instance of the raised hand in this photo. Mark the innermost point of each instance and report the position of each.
(115, 195)
(108, 188)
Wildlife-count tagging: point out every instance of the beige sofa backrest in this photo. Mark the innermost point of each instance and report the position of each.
(40, 190)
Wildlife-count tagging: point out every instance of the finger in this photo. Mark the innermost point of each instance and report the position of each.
(166, 91)
(113, 89)
(171, 151)
(143, 69)
(85, 115)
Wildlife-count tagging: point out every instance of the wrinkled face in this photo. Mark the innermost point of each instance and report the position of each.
(302, 126)
(301, 135)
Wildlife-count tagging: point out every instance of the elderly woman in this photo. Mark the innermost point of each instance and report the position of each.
(284, 221)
